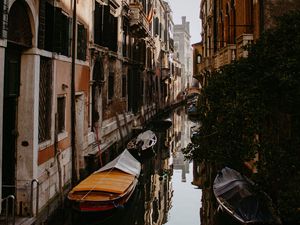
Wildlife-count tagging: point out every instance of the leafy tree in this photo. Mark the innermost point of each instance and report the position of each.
(252, 106)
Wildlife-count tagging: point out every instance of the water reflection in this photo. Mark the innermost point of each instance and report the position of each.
(164, 194)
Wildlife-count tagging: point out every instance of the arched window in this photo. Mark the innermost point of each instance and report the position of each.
(198, 58)
(19, 28)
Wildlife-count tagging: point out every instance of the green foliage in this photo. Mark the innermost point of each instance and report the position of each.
(252, 106)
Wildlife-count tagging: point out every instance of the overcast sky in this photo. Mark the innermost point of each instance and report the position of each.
(190, 9)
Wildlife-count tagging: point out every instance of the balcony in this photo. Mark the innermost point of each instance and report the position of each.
(138, 22)
(225, 56)
(242, 42)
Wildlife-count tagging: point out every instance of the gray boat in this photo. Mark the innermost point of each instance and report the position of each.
(238, 196)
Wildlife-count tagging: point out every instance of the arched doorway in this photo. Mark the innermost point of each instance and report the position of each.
(19, 38)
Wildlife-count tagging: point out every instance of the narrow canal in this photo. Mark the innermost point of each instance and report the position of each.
(165, 194)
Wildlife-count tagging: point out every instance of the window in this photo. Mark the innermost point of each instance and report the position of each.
(111, 84)
(124, 85)
(65, 35)
(105, 27)
(156, 26)
(198, 60)
(54, 29)
(222, 31)
(125, 35)
(228, 23)
(45, 99)
(98, 25)
(46, 26)
(250, 17)
(61, 107)
(1, 18)
(81, 42)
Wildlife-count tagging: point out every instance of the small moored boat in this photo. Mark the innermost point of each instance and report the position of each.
(108, 188)
(237, 195)
(142, 143)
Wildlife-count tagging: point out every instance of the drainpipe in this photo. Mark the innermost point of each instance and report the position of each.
(73, 113)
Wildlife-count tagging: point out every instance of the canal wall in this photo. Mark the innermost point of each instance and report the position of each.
(115, 132)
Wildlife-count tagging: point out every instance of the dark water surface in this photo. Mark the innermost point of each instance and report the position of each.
(164, 194)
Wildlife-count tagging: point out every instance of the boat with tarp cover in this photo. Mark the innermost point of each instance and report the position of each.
(238, 196)
(109, 187)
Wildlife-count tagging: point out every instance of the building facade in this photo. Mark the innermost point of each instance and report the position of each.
(36, 97)
(197, 59)
(75, 82)
(228, 26)
(183, 47)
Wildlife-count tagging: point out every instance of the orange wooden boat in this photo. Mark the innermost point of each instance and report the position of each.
(108, 188)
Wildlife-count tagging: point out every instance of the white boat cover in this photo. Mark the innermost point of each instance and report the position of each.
(148, 139)
(124, 162)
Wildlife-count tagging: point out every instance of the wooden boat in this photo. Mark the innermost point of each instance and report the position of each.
(140, 145)
(238, 196)
(108, 188)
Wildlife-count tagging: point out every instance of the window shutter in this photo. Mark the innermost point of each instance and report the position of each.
(107, 26)
(42, 24)
(58, 24)
(65, 31)
(111, 84)
(81, 42)
(98, 24)
(115, 35)
(49, 27)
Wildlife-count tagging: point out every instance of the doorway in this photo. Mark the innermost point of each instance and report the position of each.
(19, 38)
(10, 107)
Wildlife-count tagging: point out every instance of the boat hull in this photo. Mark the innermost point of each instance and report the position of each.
(108, 188)
(238, 197)
(101, 206)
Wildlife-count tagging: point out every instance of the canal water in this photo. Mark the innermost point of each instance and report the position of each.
(165, 194)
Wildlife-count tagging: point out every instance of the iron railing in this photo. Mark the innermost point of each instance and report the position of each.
(6, 200)
(37, 197)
